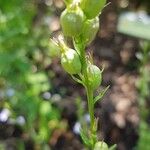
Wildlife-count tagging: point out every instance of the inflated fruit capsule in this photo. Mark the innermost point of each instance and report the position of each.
(94, 76)
(92, 8)
(72, 21)
(90, 30)
(70, 61)
(101, 146)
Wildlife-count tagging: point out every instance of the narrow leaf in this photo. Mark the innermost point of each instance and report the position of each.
(85, 138)
(113, 147)
(107, 4)
(101, 94)
(77, 80)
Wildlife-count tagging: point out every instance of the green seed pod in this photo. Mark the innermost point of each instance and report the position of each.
(92, 8)
(70, 61)
(72, 21)
(101, 146)
(94, 76)
(90, 30)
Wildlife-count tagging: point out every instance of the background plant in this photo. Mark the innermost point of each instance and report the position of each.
(23, 79)
(80, 22)
(144, 95)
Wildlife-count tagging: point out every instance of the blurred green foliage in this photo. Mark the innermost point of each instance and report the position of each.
(144, 95)
(135, 24)
(23, 52)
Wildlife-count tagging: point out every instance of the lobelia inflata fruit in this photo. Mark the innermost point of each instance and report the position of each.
(90, 30)
(101, 146)
(94, 76)
(70, 61)
(92, 8)
(72, 20)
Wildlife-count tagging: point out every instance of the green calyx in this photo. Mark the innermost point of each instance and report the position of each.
(70, 61)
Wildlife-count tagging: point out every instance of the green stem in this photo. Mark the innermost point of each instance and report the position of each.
(81, 48)
(90, 107)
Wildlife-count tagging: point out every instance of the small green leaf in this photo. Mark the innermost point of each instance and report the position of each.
(95, 125)
(77, 80)
(101, 94)
(113, 147)
(85, 138)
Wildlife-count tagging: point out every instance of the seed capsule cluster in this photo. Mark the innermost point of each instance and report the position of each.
(80, 20)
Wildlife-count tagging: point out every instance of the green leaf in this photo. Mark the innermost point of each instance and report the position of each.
(101, 94)
(113, 147)
(135, 27)
(85, 138)
(77, 80)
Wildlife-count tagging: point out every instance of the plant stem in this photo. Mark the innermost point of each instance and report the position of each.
(91, 112)
(81, 48)
(90, 107)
